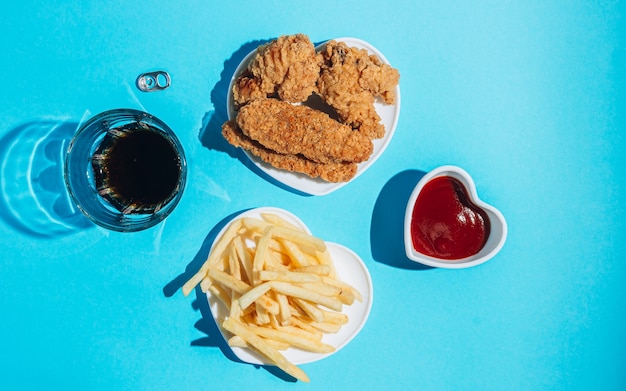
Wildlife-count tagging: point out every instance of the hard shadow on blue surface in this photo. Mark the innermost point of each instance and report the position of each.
(214, 337)
(198, 260)
(210, 134)
(34, 199)
(207, 324)
(387, 228)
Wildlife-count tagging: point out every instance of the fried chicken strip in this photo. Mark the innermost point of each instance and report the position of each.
(350, 81)
(289, 129)
(286, 67)
(331, 172)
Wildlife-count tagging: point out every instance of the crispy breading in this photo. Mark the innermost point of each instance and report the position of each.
(320, 141)
(350, 80)
(331, 172)
(290, 129)
(286, 67)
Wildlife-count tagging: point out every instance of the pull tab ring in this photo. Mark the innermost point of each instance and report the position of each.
(153, 81)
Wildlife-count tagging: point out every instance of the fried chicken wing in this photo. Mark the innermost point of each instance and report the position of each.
(286, 67)
(350, 80)
(331, 172)
(301, 130)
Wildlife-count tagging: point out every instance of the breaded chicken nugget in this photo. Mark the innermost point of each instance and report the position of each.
(350, 81)
(286, 67)
(294, 130)
(331, 172)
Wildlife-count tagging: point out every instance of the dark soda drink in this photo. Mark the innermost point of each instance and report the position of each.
(136, 169)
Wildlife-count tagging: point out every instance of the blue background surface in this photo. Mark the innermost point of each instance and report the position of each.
(528, 96)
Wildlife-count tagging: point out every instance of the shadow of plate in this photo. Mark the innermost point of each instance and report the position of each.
(207, 324)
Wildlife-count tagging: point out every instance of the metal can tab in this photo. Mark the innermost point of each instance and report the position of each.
(153, 81)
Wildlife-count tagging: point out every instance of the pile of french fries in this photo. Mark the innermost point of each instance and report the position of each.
(279, 285)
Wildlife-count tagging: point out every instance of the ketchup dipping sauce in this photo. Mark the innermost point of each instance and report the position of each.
(445, 223)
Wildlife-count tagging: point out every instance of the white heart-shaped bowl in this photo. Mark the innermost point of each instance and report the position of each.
(350, 269)
(498, 226)
(389, 115)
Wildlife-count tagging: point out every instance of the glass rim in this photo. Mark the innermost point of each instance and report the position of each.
(77, 171)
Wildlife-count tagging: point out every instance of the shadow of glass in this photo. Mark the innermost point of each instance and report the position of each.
(34, 197)
(387, 228)
(207, 323)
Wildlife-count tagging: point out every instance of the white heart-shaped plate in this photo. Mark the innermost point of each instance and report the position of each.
(498, 226)
(389, 115)
(350, 269)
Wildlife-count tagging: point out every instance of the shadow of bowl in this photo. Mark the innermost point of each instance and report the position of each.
(387, 227)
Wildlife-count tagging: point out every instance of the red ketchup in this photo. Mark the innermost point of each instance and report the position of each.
(445, 223)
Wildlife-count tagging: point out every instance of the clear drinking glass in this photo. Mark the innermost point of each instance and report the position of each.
(125, 170)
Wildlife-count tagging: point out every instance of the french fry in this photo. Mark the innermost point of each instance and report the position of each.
(261, 252)
(284, 314)
(320, 270)
(343, 286)
(235, 308)
(277, 220)
(268, 304)
(324, 258)
(262, 316)
(217, 251)
(276, 246)
(288, 276)
(244, 257)
(233, 263)
(273, 322)
(306, 294)
(219, 292)
(297, 256)
(329, 328)
(310, 309)
(276, 261)
(306, 327)
(253, 294)
(238, 342)
(243, 331)
(286, 233)
(335, 317)
(205, 284)
(228, 281)
(293, 338)
(280, 288)
(321, 288)
(346, 297)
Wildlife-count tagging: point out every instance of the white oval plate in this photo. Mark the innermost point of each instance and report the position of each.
(389, 115)
(350, 269)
